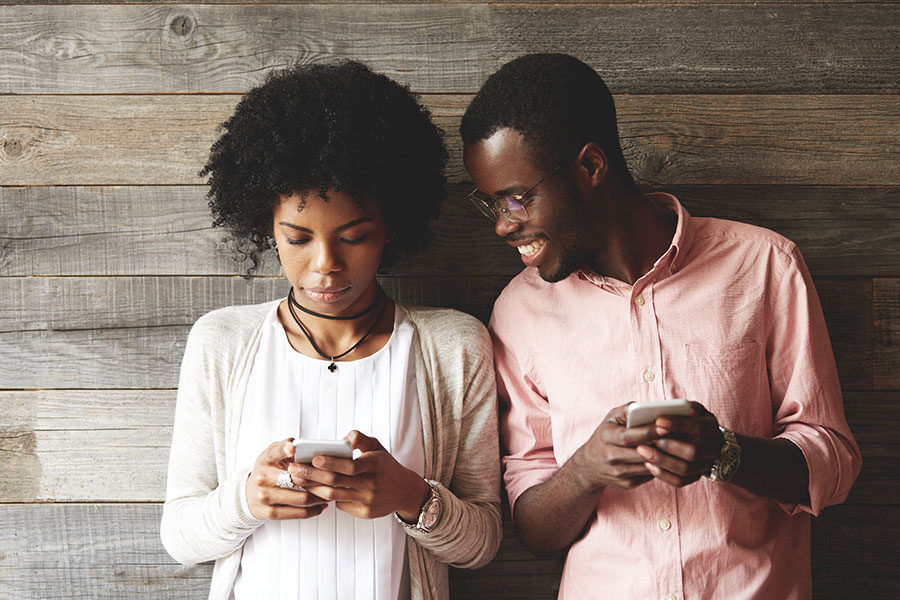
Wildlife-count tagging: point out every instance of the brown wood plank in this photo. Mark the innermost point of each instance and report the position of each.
(855, 553)
(53, 231)
(669, 140)
(796, 48)
(113, 551)
(53, 441)
(887, 333)
(847, 306)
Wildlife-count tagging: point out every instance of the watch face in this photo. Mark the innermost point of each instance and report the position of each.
(432, 514)
(728, 464)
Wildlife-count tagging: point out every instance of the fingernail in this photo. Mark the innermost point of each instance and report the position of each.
(644, 451)
(652, 468)
(664, 423)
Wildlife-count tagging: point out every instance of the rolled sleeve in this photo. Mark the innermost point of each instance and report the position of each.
(525, 425)
(806, 393)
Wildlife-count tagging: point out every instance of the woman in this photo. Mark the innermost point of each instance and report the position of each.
(340, 170)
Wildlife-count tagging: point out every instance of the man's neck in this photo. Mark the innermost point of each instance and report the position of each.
(637, 235)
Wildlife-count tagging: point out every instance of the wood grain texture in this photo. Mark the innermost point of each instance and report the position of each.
(107, 338)
(166, 230)
(33, 304)
(108, 552)
(886, 294)
(52, 442)
(78, 446)
(668, 140)
(444, 47)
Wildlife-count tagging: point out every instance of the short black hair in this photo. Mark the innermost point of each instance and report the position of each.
(555, 101)
(313, 127)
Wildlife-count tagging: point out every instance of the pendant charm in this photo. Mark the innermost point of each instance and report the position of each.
(332, 367)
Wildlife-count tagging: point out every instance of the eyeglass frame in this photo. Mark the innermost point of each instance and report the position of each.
(484, 207)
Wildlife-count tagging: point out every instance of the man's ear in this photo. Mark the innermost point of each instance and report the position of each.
(592, 163)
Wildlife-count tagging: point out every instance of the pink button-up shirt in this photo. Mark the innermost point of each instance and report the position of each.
(728, 317)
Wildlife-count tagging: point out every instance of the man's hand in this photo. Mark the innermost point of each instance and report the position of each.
(611, 458)
(686, 448)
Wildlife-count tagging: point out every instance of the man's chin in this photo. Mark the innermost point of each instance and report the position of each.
(557, 272)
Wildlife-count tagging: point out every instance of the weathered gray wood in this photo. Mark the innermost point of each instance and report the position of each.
(886, 351)
(82, 303)
(104, 336)
(76, 446)
(165, 230)
(109, 552)
(796, 48)
(669, 140)
(87, 551)
(113, 445)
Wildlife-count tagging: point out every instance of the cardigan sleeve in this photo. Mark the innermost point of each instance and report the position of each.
(203, 518)
(459, 359)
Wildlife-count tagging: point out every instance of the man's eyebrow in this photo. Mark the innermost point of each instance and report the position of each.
(337, 229)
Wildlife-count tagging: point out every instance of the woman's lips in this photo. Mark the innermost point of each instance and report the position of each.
(325, 295)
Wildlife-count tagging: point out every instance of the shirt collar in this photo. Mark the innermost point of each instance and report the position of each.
(671, 260)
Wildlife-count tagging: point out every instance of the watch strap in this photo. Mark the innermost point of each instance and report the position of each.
(430, 513)
(729, 459)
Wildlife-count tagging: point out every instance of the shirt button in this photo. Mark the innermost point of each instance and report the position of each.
(649, 376)
(639, 300)
(665, 524)
(674, 267)
(671, 597)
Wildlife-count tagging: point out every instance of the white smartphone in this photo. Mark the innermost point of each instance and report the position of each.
(642, 413)
(306, 450)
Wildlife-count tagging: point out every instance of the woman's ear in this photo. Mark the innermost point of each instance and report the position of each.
(592, 163)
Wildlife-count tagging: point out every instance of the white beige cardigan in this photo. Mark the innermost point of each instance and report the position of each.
(206, 516)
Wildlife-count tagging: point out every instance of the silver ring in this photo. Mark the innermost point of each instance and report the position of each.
(284, 480)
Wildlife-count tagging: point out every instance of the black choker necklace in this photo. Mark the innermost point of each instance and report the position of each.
(366, 311)
(333, 367)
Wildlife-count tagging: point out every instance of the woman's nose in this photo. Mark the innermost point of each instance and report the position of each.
(326, 259)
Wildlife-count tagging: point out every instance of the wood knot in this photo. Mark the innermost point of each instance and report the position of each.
(13, 148)
(182, 25)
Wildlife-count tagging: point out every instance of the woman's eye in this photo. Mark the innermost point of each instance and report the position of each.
(356, 240)
(299, 242)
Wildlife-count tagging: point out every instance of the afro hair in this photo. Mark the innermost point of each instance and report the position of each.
(314, 127)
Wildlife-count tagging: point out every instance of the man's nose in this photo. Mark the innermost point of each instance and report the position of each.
(503, 226)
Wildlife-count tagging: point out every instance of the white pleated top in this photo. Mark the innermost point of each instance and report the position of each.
(334, 555)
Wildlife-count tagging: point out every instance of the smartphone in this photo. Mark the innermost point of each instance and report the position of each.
(306, 450)
(642, 413)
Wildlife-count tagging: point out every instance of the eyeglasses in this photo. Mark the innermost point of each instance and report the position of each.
(512, 207)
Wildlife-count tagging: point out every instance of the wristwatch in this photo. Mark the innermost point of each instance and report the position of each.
(726, 465)
(431, 511)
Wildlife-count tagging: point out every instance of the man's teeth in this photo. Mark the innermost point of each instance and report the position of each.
(532, 248)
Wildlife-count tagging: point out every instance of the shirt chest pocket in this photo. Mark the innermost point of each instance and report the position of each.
(728, 380)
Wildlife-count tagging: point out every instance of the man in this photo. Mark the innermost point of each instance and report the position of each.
(627, 298)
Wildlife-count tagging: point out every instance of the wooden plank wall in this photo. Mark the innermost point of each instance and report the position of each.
(783, 114)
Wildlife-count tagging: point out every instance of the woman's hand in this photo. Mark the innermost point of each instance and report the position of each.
(371, 486)
(268, 501)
